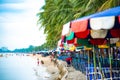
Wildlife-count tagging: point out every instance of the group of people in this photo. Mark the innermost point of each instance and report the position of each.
(55, 55)
(39, 61)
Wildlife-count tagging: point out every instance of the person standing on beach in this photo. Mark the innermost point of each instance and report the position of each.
(52, 56)
(38, 62)
(42, 62)
(69, 60)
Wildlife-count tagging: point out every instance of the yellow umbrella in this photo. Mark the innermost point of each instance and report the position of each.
(87, 48)
(72, 48)
(103, 46)
(118, 44)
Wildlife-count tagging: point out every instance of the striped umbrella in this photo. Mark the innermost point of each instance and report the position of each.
(102, 25)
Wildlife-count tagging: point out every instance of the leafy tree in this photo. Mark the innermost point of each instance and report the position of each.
(58, 12)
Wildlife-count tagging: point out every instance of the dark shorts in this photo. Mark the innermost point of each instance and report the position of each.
(68, 62)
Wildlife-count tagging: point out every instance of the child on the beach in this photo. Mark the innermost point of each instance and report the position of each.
(38, 62)
(69, 60)
(42, 62)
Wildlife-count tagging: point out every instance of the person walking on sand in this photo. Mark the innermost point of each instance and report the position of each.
(42, 62)
(69, 60)
(38, 62)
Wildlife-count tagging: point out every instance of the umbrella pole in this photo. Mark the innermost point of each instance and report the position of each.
(88, 61)
(100, 67)
(94, 60)
(110, 60)
(110, 65)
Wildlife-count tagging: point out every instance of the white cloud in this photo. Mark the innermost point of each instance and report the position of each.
(20, 29)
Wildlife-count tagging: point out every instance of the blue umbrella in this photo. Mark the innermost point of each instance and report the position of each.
(109, 12)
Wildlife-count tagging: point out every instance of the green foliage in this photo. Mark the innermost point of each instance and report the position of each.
(58, 12)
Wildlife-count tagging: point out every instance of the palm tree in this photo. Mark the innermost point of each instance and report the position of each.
(58, 12)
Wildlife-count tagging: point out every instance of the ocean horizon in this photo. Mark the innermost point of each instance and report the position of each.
(21, 67)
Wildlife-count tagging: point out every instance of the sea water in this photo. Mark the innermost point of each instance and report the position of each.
(21, 68)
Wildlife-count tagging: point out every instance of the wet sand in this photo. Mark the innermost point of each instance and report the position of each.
(50, 67)
(54, 71)
(73, 74)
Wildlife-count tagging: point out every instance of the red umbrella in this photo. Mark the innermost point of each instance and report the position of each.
(80, 26)
(83, 34)
(119, 18)
(98, 41)
(115, 33)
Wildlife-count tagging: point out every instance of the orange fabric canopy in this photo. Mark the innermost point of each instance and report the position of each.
(79, 26)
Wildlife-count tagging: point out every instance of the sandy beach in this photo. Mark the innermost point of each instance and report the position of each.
(58, 71)
(54, 71)
(50, 66)
(74, 74)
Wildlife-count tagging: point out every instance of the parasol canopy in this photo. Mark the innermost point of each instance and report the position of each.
(99, 24)
(95, 27)
(70, 36)
(102, 22)
(79, 26)
(109, 12)
(66, 28)
(98, 33)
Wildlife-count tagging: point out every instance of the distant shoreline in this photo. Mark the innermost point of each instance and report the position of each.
(53, 70)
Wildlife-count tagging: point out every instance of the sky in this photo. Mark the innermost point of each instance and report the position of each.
(18, 24)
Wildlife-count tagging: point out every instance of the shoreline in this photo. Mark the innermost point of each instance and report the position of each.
(51, 68)
(60, 71)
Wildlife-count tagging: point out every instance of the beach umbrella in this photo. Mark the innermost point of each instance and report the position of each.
(72, 48)
(70, 36)
(87, 48)
(103, 46)
(111, 26)
(114, 40)
(60, 43)
(115, 33)
(95, 34)
(83, 34)
(98, 25)
(106, 22)
(79, 26)
(109, 12)
(118, 44)
(98, 41)
(66, 29)
(70, 41)
(93, 26)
